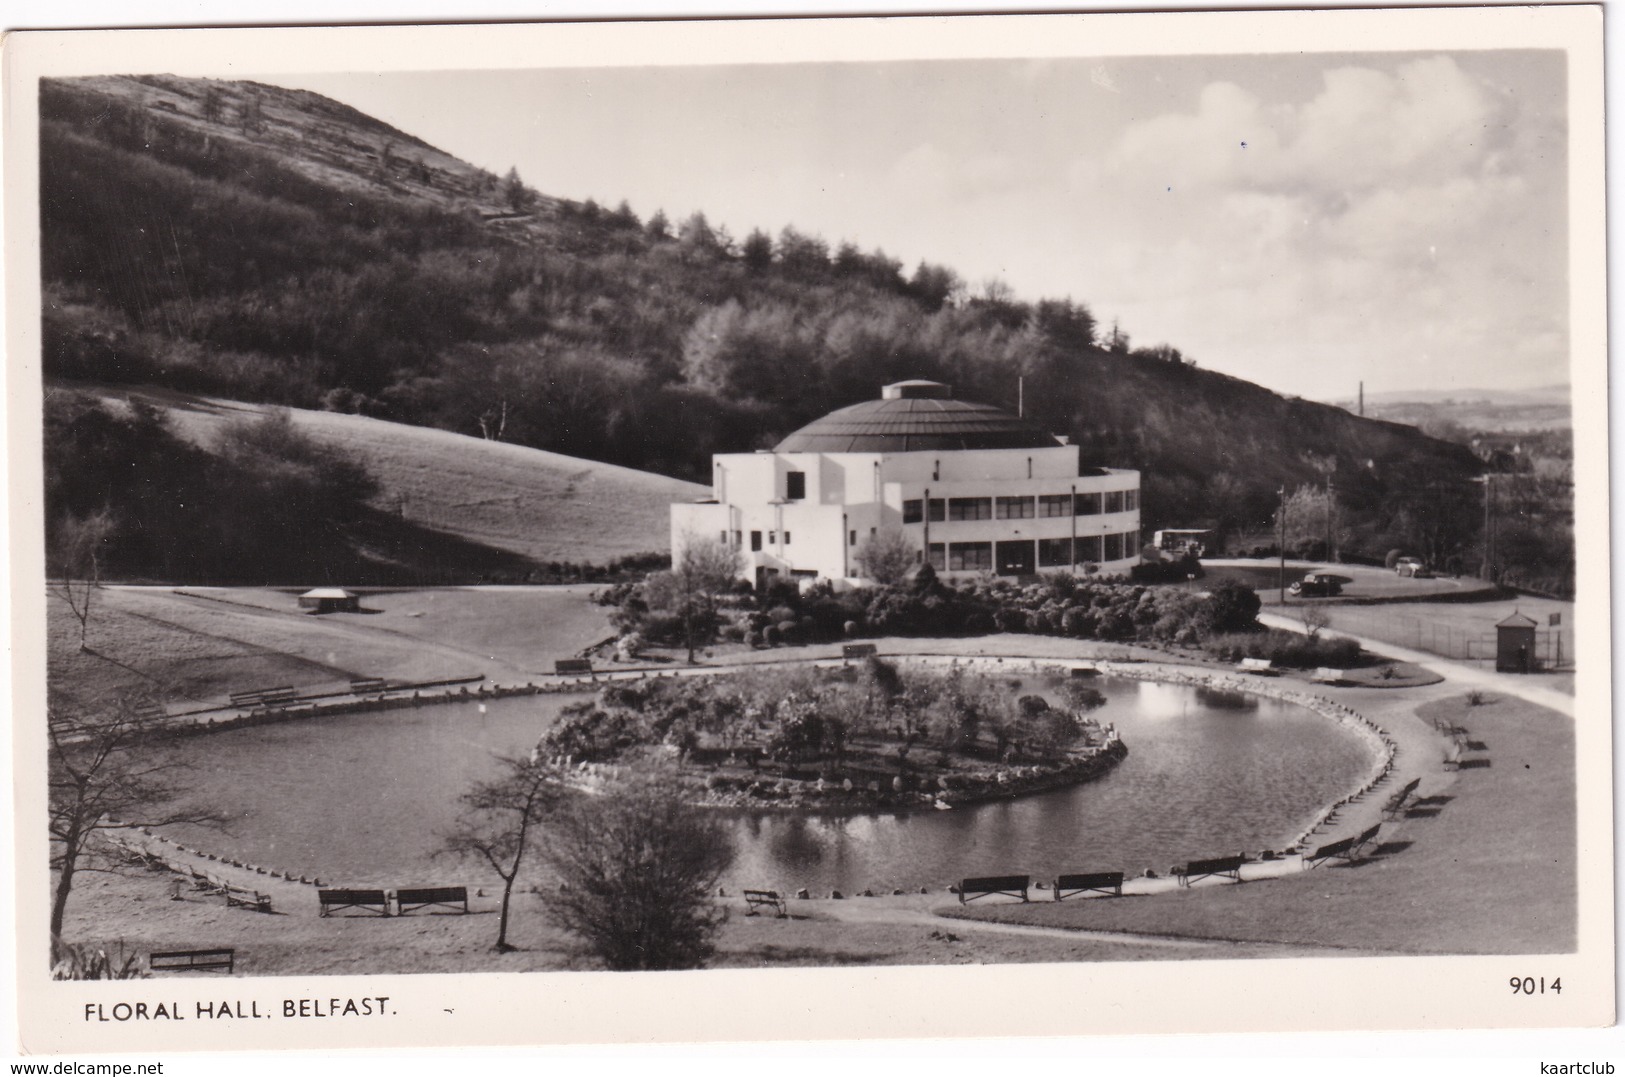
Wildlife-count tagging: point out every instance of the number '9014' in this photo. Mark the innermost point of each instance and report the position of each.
(1535, 985)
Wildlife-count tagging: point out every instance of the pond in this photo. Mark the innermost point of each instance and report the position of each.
(362, 799)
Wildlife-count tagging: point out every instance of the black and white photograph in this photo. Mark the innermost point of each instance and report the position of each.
(1089, 498)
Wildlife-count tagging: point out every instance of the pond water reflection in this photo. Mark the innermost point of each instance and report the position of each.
(363, 798)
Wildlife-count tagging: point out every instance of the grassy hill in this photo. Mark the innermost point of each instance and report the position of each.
(242, 241)
(537, 506)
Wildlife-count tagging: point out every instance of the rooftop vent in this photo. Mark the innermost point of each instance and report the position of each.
(916, 389)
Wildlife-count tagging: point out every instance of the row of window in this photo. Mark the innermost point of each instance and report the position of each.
(755, 539)
(1019, 508)
(1018, 555)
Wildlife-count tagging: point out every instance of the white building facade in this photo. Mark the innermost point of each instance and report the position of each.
(974, 488)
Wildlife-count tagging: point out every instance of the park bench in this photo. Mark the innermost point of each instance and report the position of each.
(858, 650)
(1102, 882)
(1327, 675)
(1229, 866)
(572, 665)
(1262, 667)
(1399, 800)
(765, 899)
(193, 961)
(372, 902)
(1347, 850)
(363, 685)
(285, 694)
(423, 897)
(245, 699)
(241, 897)
(984, 886)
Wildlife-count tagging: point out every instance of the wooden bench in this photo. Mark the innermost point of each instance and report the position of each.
(1228, 866)
(362, 685)
(987, 885)
(372, 902)
(1327, 675)
(1399, 800)
(1347, 850)
(245, 699)
(765, 899)
(285, 694)
(1102, 882)
(1262, 667)
(858, 650)
(572, 665)
(193, 961)
(241, 897)
(411, 899)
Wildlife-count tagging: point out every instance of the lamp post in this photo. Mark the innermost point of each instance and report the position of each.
(1281, 544)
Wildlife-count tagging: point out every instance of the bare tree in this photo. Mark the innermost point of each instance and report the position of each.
(639, 866)
(703, 571)
(1315, 619)
(499, 822)
(109, 770)
(887, 556)
(77, 548)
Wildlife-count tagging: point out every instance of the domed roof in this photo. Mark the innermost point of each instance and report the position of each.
(916, 416)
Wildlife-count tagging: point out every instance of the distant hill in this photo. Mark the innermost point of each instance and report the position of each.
(1511, 411)
(247, 242)
(537, 506)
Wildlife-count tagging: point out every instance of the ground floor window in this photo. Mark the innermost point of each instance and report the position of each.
(937, 556)
(1053, 553)
(1087, 550)
(970, 556)
(1114, 547)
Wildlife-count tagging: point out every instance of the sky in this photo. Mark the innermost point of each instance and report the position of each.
(1304, 221)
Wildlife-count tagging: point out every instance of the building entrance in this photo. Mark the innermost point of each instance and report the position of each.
(1015, 558)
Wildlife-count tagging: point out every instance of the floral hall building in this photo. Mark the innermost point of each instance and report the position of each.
(972, 487)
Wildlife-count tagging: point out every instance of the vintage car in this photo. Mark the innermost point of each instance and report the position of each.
(1319, 585)
(1411, 566)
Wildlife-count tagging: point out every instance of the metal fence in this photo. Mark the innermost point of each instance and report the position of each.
(1554, 647)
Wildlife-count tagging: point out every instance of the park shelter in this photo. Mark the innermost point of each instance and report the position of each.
(972, 488)
(1515, 644)
(330, 600)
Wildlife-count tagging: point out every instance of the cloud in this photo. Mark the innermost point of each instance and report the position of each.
(1385, 219)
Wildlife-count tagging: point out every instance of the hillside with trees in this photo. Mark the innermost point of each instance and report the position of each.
(263, 244)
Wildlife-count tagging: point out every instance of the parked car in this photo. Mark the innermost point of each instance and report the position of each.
(1412, 566)
(1318, 585)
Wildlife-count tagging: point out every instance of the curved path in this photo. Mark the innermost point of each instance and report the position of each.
(1455, 673)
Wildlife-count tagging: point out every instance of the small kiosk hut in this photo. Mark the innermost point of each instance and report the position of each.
(330, 600)
(1515, 644)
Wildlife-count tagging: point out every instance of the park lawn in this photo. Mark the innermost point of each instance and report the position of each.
(207, 643)
(1493, 872)
(134, 912)
(539, 505)
(1450, 628)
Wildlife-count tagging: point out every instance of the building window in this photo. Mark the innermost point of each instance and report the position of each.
(1131, 500)
(938, 556)
(1055, 505)
(1088, 505)
(787, 538)
(755, 540)
(738, 537)
(1087, 550)
(913, 511)
(772, 538)
(795, 485)
(937, 510)
(970, 508)
(970, 556)
(1054, 553)
(1114, 548)
(1015, 508)
(1114, 501)
(725, 538)
(851, 538)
